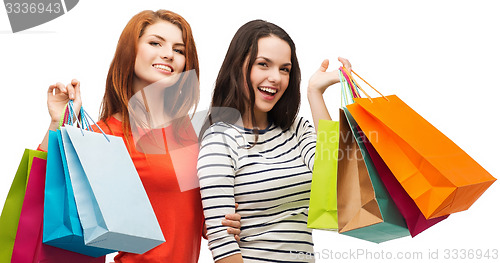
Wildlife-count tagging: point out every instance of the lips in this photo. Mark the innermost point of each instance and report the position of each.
(268, 92)
(164, 67)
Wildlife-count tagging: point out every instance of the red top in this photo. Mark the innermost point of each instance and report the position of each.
(179, 212)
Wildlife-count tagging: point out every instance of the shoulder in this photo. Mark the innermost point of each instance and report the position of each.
(221, 130)
(221, 136)
(301, 125)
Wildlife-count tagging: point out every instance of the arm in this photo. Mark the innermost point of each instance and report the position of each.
(307, 141)
(232, 221)
(216, 162)
(236, 258)
(318, 83)
(58, 96)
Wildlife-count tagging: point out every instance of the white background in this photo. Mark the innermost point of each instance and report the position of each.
(440, 57)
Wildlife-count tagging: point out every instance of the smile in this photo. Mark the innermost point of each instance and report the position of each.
(166, 68)
(270, 91)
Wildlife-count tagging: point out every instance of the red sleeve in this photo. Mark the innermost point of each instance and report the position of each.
(40, 148)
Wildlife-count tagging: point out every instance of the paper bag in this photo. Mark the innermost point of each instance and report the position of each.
(439, 176)
(11, 211)
(366, 210)
(323, 199)
(61, 225)
(112, 204)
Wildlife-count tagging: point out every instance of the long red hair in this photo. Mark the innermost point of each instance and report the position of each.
(121, 71)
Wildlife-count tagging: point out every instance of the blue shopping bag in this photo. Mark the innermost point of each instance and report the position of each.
(61, 225)
(113, 207)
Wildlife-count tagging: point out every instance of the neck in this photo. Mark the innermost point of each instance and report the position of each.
(152, 99)
(260, 119)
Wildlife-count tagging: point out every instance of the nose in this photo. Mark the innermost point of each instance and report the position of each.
(274, 75)
(167, 52)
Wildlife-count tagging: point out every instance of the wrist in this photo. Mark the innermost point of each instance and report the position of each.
(311, 92)
(54, 125)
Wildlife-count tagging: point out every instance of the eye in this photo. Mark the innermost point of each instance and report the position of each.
(154, 44)
(262, 64)
(180, 51)
(286, 70)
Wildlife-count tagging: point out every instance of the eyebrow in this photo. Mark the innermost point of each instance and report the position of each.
(164, 40)
(268, 60)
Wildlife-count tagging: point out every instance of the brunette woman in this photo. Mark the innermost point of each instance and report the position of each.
(265, 162)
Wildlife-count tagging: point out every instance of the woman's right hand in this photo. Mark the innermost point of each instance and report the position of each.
(318, 83)
(322, 79)
(58, 96)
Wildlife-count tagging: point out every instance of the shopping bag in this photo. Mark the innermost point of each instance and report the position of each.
(28, 246)
(323, 198)
(366, 210)
(113, 207)
(61, 225)
(49, 254)
(11, 211)
(439, 176)
(415, 220)
(27, 231)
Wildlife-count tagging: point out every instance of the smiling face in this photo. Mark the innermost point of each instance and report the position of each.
(160, 55)
(270, 74)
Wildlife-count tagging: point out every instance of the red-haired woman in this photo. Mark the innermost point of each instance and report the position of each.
(155, 53)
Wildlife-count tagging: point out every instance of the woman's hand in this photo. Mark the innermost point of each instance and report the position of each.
(58, 96)
(233, 223)
(318, 83)
(322, 79)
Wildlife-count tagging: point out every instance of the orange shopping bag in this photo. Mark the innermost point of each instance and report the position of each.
(437, 174)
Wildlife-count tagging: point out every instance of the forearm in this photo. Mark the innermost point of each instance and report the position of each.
(45, 142)
(319, 110)
(236, 258)
(318, 83)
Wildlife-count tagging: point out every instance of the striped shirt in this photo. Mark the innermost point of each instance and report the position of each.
(271, 183)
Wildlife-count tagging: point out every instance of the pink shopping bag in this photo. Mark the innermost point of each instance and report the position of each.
(28, 246)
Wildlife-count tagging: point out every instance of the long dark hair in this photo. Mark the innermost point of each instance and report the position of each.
(228, 91)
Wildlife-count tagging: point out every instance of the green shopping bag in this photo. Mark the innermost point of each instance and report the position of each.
(11, 211)
(323, 199)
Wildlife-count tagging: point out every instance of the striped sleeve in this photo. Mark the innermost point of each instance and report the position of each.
(306, 136)
(216, 172)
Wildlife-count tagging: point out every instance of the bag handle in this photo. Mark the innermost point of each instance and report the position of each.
(345, 89)
(83, 122)
(350, 89)
(67, 117)
(354, 84)
(63, 118)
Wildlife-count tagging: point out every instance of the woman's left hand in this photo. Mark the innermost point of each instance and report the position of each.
(233, 223)
(322, 79)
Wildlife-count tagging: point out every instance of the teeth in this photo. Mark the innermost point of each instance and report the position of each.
(163, 67)
(272, 91)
